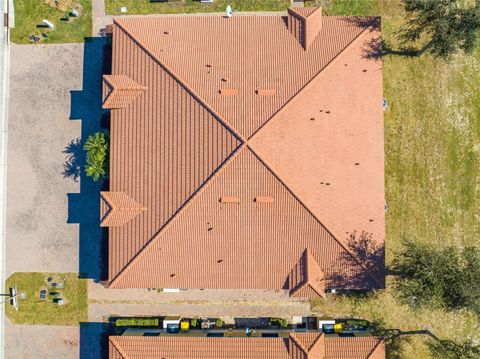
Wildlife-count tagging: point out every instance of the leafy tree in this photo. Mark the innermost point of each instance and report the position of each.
(451, 350)
(97, 162)
(449, 25)
(449, 277)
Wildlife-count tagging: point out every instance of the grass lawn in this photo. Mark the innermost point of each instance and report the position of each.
(432, 149)
(30, 13)
(32, 310)
(188, 6)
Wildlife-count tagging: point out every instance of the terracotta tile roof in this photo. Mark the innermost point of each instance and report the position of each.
(308, 279)
(119, 91)
(118, 208)
(273, 60)
(297, 346)
(305, 24)
(228, 238)
(181, 149)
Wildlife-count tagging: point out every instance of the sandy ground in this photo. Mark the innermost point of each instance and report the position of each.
(38, 236)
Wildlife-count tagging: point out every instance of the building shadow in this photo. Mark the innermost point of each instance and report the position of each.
(94, 340)
(84, 207)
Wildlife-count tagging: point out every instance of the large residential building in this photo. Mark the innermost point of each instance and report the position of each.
(291, 346)
(246, 152)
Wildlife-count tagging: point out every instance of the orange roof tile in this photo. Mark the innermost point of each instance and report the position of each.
(180, 147)
(119, 91)
(118, 208)
(297, 346)
(305, 24)
(311, 281)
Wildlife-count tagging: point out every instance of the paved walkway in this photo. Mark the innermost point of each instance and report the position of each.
(100, 18)
(224, 303)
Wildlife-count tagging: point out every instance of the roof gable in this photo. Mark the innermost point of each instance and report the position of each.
(307, 279)
(309, 345)
(119, 91)
(118, 208)
(305, 24)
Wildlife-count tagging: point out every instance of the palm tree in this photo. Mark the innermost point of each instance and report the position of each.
(97, 147)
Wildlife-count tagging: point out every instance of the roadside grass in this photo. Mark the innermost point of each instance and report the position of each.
(432, 174)
(32, 310)
(30, 13)
(189, 6)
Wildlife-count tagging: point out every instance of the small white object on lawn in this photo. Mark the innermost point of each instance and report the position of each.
(229, 11)
(123, 9)
(48, 24)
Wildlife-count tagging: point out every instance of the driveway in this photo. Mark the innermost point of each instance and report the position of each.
(34, 341)
(38, 235)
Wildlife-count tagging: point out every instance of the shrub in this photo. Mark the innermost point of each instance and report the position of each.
(97, 147)
(219, 323)
(137, 322)
(279, 322)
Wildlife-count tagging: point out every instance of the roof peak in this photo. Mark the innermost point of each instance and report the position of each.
(311, 280)
(312, 344)
(305, 24)
(118, 208)
(119, 91)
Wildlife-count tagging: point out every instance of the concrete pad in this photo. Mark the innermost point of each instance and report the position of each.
(40, 341)
(38, 236)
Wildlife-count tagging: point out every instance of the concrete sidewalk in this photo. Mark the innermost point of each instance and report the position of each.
(194, 302)
(98, 312)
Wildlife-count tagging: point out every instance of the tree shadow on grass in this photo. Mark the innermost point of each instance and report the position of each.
(376, 47)
(396, 338)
